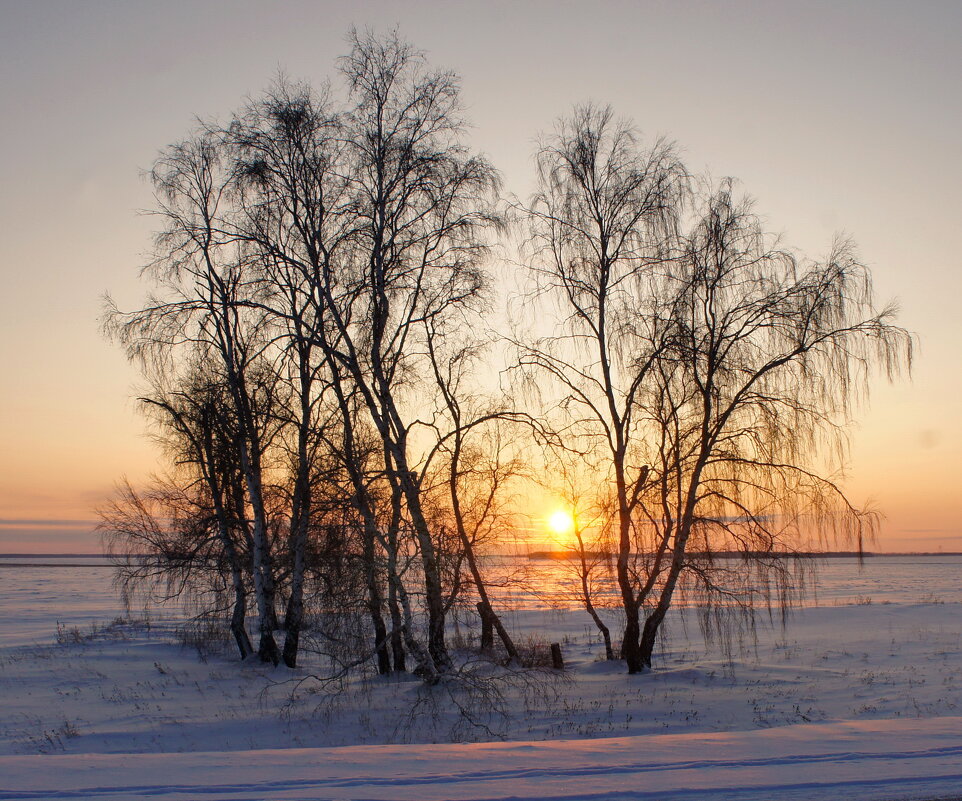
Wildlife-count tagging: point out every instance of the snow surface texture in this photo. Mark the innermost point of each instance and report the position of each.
(849, 701)
(874, 760)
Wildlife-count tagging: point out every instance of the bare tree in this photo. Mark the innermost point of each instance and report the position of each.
(325, 242)
(768, 355)
(367, 226)
(708, 366)
(591, 548)
(284, 150)
(602, 228)
(313, 339)
(201, 433)
(208, 283)
(422, 205)
(476, 472)
(185, 536)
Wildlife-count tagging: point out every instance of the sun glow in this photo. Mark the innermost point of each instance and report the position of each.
(561, 522)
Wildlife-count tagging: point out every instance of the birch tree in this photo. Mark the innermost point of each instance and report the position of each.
(709, 367)
(207, 286)
(748, 410)
(423, 206)
(602, 227)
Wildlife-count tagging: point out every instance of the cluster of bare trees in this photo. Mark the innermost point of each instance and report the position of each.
(309, 348)
(315, 351)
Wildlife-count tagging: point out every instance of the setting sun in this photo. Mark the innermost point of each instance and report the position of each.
(561, 522)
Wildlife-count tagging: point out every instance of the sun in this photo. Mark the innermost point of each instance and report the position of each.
(561, 522)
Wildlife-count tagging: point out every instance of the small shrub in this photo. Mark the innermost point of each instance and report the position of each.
(69, 635)
(207, 636)
(534, 652)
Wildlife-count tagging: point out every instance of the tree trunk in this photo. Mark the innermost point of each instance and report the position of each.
(648, 637)
(426, 667)
(239, 614)
(654, 619)
(267, 650)
(630, 651)
(375, 603)
(432, 577)
(294, 616)
(586, 595)
(237, 627)
(605, 632)
(630, 646)
(301, 509)
(487, 628)
(397, 626)
(488, 616)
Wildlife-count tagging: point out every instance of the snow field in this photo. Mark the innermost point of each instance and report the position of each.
(854, 699)
(858, 701)
(131, 689)
(857, 761)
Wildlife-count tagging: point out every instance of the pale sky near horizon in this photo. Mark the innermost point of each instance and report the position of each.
(836, 117)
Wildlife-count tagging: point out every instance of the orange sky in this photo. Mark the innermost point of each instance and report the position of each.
(835, 116)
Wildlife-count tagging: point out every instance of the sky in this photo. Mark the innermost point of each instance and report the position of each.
(840, 117)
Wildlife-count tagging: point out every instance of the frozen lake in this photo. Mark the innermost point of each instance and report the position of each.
(37, 593)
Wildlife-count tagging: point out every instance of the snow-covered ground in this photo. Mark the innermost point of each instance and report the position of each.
(870, 760)
(852, 700)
